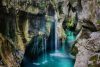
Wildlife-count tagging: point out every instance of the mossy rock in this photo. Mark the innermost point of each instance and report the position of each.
(42, 5)
(94, 58)
(48, 18)
(98, 21)
(70, 22)
(93, 65)
(72, 1)
(74, 50)
(98, 2)
(99, 58)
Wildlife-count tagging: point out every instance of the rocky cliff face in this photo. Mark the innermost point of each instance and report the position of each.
(88, 55)
(88, 38)
(20, 22)
(23, 20)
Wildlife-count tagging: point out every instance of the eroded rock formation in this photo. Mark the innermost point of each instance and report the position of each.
(23, 20)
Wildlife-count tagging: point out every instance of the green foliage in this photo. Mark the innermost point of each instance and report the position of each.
(90, 65)
(74, 50)
(93, 65)
(70, 22)
(98, 21)
(42, 5)
(72, 1)
(94, 58)
(53, 2)
(48, 18)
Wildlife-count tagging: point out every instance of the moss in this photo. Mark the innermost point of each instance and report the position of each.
(53, 2)
(74, 50)
(92, 65)
(98, 1)
(42, 5)
(70, 22)
(48, 18)
(98, 21)
(72, 1)
(48, 27)
(94, 58)
(99, 58)
(60, 7)
(40, 40)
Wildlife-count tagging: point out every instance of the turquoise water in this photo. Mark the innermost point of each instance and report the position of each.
(60, 58)
(70, 35)
(52, 60)
(56, 60)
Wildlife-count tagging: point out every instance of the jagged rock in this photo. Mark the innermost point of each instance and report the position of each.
(87, 48)
(89, 25)
(85, 27)
(74, 50)
(8, 53)
(22, 20)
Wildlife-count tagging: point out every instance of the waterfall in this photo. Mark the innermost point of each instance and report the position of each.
(43, 29)
(70, 35)
(44, 50)
(42, 33)
(56, 33)
(35, 29)
(54, 56)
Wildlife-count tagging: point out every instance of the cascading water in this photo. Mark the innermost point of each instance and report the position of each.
(55, 57)
(57, 52)
(45, 52)
(43, 27)
(70, 37)
(43, 43)
(56, 33)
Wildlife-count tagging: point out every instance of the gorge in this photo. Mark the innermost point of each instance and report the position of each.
(49, 33)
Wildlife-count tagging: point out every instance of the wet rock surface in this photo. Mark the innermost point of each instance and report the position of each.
(25, 21)
(88, 48)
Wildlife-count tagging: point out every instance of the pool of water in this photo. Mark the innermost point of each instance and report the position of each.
(60, 58)
(56, 59)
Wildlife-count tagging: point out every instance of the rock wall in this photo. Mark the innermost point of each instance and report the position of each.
(88, 39)
(20, 22)
(18, 18)
(88, 48)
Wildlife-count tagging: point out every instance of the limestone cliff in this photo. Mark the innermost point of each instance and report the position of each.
(21, 21)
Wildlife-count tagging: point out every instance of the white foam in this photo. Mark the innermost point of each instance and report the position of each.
(44, 62)
(36, 63)
(58, 54)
